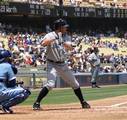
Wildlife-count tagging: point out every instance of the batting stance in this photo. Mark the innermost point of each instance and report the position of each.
(56, 63)
(94, 61)
(10, 93)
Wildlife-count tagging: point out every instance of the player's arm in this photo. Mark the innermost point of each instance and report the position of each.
(91, 60)
(11, 83)
(47, 42)
(11, 78)
(68, 45)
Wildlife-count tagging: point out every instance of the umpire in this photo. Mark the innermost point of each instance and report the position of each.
(56, 63)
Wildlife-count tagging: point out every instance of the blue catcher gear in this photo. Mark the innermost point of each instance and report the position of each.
(4, 54)
(10, 93)
(16, 97)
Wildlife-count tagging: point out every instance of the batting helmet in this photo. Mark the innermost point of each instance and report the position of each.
(60, 23)
(4, 54)
(96, 49)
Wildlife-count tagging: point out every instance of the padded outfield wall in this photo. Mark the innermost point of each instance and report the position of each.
(36, 79)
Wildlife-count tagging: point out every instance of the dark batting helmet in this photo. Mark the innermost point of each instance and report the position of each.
(60, 23)
(4, 54)
(95, 49)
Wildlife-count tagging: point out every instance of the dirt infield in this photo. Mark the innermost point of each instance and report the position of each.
(107, 109)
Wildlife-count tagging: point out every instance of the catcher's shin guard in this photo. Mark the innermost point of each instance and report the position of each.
(16, 100)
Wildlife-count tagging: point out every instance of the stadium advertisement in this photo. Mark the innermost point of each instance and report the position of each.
(68, 11)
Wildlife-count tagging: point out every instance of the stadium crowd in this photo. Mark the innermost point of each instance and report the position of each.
(27, 51)
(82, 3)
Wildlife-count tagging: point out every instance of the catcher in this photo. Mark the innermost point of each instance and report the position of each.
(11, 94)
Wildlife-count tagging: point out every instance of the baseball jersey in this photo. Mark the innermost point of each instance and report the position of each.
(6, 73)
(95, 60)
(55, 51)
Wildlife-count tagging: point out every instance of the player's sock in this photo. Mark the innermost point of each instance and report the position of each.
(79, 94)
(42, 94)
(94, 85)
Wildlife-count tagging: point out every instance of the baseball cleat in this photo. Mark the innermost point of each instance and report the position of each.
(98, 86)
(85, 105)
(95, 86)
(36, 106)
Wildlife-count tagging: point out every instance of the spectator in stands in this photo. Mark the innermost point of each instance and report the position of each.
(1, 45)
(73, 2)
(28, 39)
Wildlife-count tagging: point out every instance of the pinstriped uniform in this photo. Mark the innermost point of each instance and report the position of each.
(56, 62)
(57, 42)
(55, 51)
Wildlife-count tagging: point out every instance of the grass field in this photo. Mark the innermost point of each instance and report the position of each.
(107, 103)
(61, 96)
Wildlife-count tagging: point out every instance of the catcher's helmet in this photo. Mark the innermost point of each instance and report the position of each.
(4, 54)
(60, 23)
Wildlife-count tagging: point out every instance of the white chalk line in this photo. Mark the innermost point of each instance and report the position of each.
(113, 107)
(119, 104)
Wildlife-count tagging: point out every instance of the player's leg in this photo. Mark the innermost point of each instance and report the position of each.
(44, 91)
(67, 75)
(93, 82)
(13, 97)
(94, 77)
(51, 78)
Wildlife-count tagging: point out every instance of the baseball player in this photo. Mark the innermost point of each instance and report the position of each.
(56, 63)
(10, 93)
(94, 61)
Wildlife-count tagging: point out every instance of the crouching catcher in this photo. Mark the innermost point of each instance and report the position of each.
(11, 93)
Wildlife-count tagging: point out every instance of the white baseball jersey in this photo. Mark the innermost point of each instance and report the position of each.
(55, 51)
(95, 60)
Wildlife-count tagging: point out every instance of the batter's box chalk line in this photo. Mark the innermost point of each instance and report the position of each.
(120, 105)
(114, 107)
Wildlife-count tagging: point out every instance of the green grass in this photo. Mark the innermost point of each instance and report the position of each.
(62, 96)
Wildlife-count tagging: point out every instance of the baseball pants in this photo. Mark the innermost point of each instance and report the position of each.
(94, 72)
(63, 71)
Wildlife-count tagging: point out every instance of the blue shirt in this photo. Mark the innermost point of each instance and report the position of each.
(6, 72)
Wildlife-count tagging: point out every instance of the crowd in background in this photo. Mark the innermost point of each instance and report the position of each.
(82, 3)
(27, 50)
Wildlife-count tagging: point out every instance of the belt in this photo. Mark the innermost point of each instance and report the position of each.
(59, 62)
